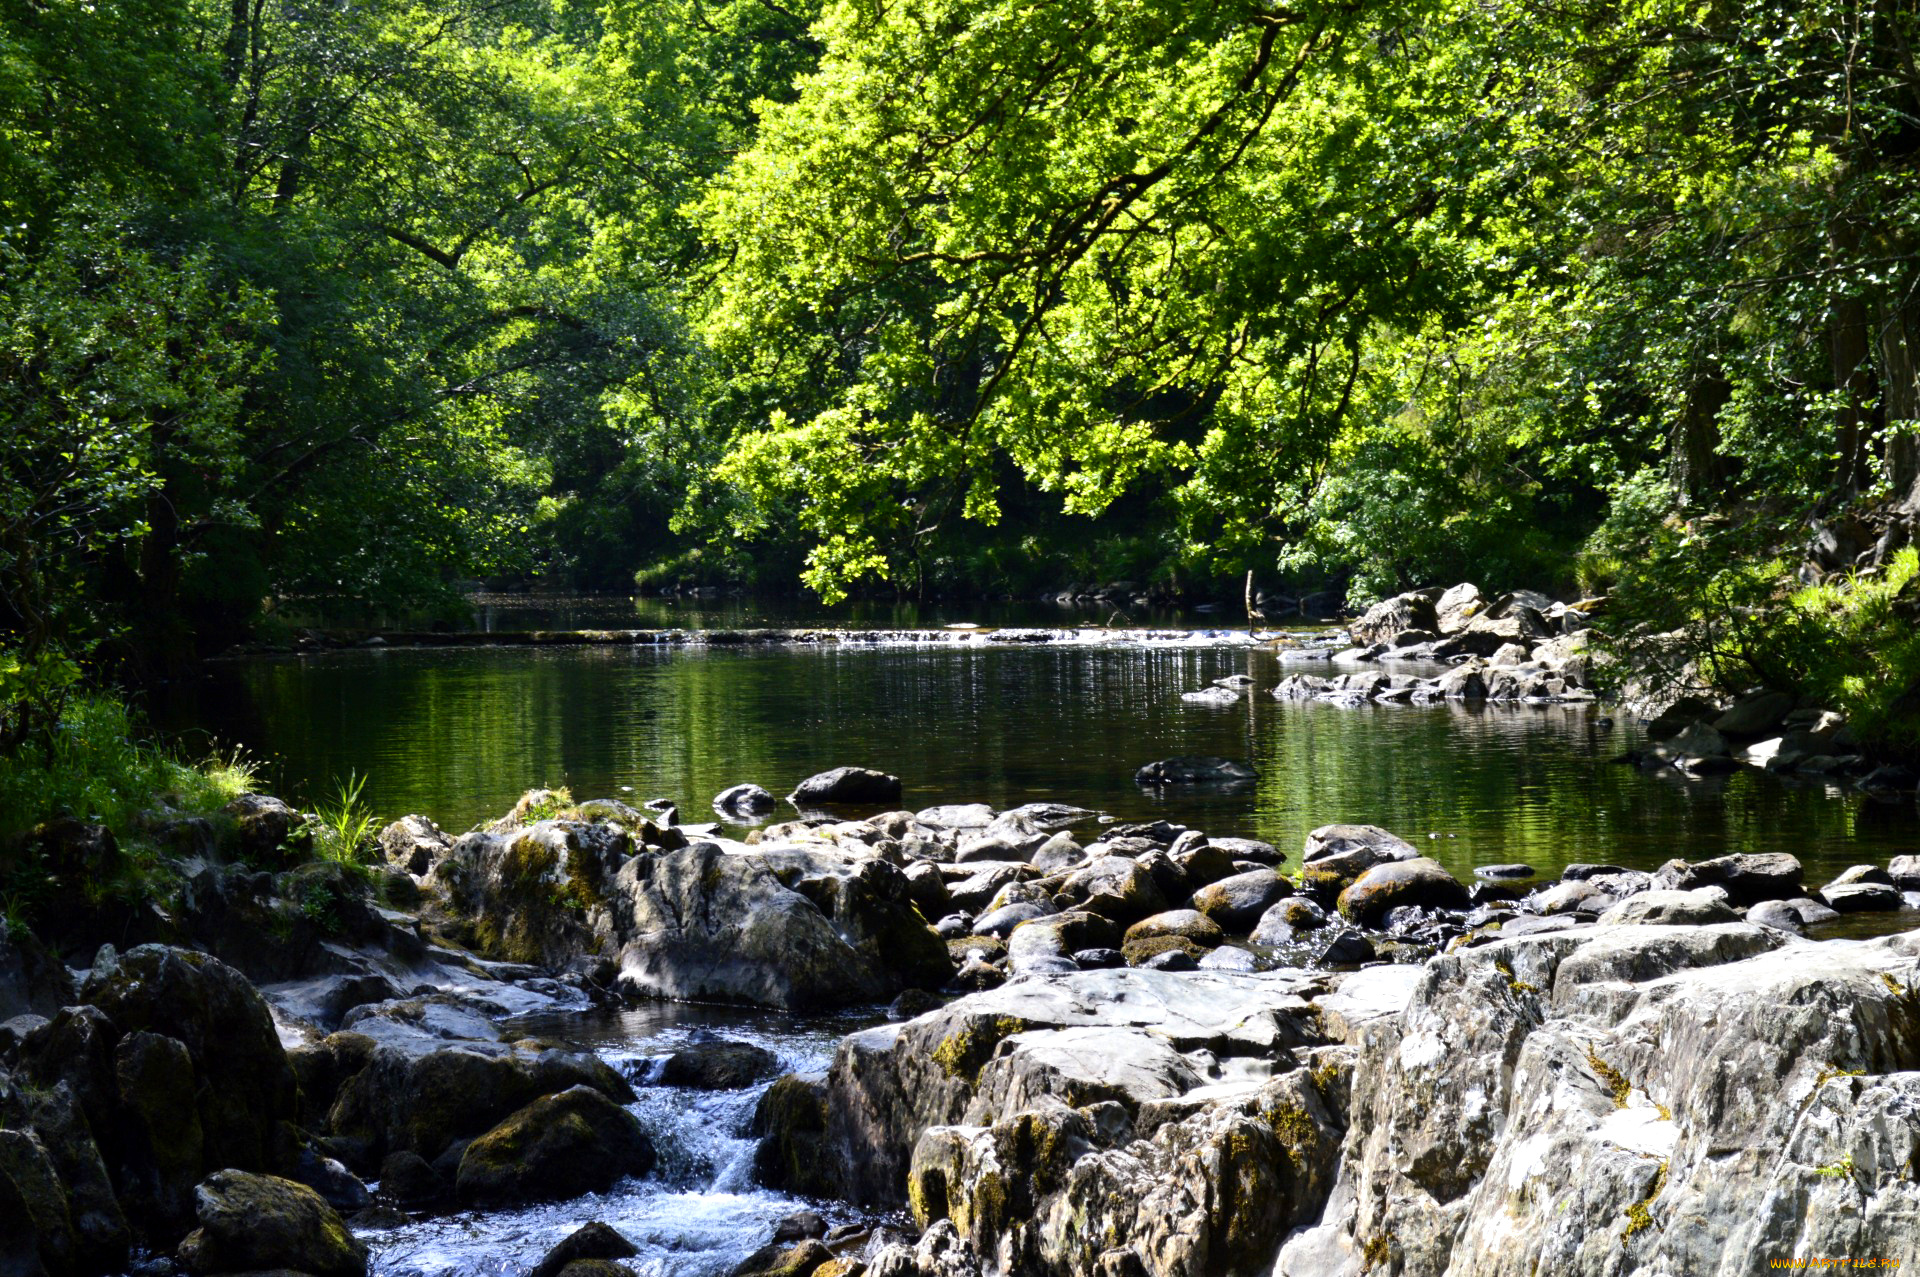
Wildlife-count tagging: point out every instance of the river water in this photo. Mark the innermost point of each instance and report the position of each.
(458, 733)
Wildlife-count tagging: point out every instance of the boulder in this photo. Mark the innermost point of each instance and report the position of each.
(1385, 619)
(1747, 878)
(259, 1223)
(1196, 770)
(1777, 914)
(790, 1122)
(403, 1085)
(1755, 715)
(1114, 887)
(1863, 897)
(592, 1240)
(718, 1066)
(243, 1089)
(269, 832)
(748, 802)
(413, 844)
(1238, 901)
(785, 929)
(33, 981)
(1672, 908)
(851, 785)
(1187, 924)
(410, 1179)
(1420, 882)
(1456, 607)
(1586, 1102)
(1286, 919)
(558, 1147)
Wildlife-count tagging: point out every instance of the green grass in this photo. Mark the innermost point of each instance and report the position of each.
(343, 826)
(95, 766)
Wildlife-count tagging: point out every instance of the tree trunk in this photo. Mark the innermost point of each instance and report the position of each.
(1697, 468)
(1855, 424)
(1900, 367)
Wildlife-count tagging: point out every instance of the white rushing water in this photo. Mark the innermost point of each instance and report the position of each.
(698, 1214)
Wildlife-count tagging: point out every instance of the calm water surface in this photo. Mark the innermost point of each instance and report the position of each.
(458, 734)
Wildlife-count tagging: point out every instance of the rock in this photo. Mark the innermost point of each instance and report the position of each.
(1777, 914)
(32, 978)
(558, 1147)
(1196, 770)
(1347, 948)
(404, 1084)
(790, 1122)
(1048, 944)
(413, 843)
(1188, 924)
(718, 1066)
(746, 801)
(1419, 881)
(1249, 849)
(1905, 872)
(1747, 878)
(779, 1260)
(799, 1226)
(1672, 908)
(1382, 621)
(256, 1223)
(1212, 696)
(1859, 874)
(1001, 922)
(1863, 897)
(410, 1179)
(1464, 682)
(1237, 902)
(1115, 887)
(846, 785)
(592, 1240)
(38, 1236)
(1680, 715)
(1503, 872)
(785, 929)
(1696, 740)
(339, 1187)
(957, 816)
(1754, 715)
(1284, 920)
(160, 1135)
(1456, 607)
(1586, 1103)
(914, 1002)
(243, 1087)
(269, 831)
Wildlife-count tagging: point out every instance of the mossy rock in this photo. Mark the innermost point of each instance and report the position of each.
(251, 1223)
(801, 1259)
(557, 1147)
(992, 948)
(1138, 951)
(791, 1121)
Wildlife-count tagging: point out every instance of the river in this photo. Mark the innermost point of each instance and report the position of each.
(458, 733)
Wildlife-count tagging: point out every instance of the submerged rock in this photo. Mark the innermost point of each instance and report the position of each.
(1196, 770)
(719, 1066)
(749, 800)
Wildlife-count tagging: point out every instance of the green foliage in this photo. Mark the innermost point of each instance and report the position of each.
(343, 826)
(97, 768)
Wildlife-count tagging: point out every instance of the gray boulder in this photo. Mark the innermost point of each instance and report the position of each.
(1420, 882)
(1237, 902)
(1381, 622)
(852, 785)
(775, 928)
(1672, 908)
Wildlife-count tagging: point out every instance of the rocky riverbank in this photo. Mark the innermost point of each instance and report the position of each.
(1118, 1048)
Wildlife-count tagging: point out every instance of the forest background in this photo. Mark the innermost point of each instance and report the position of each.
(365, 301)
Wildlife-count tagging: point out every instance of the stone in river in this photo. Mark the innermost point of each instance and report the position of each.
(1196, 770)
(846, 785)
(744, 800)
(558, 1147)
(1402, 882)
(1238, 901)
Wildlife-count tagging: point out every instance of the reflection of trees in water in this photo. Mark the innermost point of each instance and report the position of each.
(459, 734)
